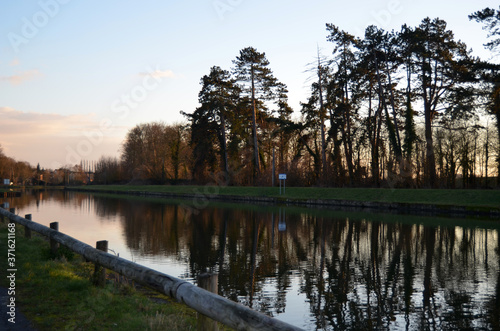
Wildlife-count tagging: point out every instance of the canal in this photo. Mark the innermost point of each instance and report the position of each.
(318, 269)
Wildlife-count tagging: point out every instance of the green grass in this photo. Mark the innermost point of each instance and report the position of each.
(55, 293)
(472, 198)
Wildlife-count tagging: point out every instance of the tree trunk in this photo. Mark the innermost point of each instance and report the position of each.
(323, 140)
(322, 124)
(254, 132)
(346, 136)
(396, 126)
(393, 129)
(410, 135)
(348, 155)
(498, 148)
(378, 130)
(430, 160)
(224, 145)
(374, 127)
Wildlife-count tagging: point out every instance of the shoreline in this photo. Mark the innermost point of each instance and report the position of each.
(398, 207)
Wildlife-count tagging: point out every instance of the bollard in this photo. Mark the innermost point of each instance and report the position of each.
(54, 245)
(27, 231)
(100, 271)
(207, 281)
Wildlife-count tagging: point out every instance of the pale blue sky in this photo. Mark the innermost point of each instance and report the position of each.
(76, 75)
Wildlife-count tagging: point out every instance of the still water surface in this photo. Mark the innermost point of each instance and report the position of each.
(316, 269)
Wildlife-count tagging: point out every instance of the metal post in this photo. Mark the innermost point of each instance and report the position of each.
(274, 168)
(282, 177)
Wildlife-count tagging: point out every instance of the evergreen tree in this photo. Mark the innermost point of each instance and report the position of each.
(343, 88)
(374, 92)
(219, 94)
(315, 114)
(218, 97)
(256, 81)
(439, 67)
(490, 18)
(406, 49)
(384, 62)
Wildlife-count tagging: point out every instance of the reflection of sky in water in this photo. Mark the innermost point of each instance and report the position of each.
(81, 222)
(308, 294)
(296, 311)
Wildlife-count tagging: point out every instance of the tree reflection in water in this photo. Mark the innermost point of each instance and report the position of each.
(353, 270)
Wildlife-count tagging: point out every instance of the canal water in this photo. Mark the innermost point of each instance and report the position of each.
(318, 269)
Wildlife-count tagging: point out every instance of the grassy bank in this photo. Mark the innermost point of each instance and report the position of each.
(55, 293)
(472, 198)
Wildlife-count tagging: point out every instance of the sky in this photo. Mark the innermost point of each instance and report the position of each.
(76, 75)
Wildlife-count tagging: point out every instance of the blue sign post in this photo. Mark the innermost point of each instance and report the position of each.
(282, 177)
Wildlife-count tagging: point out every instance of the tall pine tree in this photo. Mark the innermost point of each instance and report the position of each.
(218, 97)
(438, 59)
(256, 80)
(490, 18)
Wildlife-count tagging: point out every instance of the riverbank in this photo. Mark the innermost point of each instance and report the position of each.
(483, 203)
(68, 301)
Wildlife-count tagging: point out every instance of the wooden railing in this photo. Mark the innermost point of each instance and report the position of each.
(209, 304)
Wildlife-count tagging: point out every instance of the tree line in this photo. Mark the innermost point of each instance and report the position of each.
(410, 108)
(14, 171)
(407, 108)
(21, 173)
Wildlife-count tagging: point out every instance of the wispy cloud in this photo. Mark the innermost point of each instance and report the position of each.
(159, 74)
(19, 123)
(21, 77)
(38, 137)
(14, 62)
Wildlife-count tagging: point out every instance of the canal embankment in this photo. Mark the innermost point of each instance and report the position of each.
(436, 202)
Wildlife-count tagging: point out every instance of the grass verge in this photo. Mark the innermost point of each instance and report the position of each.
(55, 293)
(471, 198)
